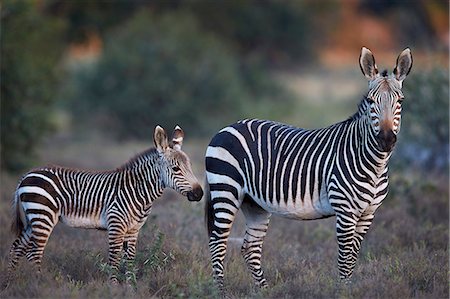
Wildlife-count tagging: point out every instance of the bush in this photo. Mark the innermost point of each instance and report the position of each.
(424, 140)
(30, 52)
(165, 70)
(279, 32)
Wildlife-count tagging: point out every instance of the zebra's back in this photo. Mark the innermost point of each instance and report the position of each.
(77, 198)
(283, 168)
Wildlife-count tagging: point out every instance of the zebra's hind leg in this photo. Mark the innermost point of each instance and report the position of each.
(257, 222)
(41, 228)
(223, 207)
(18, 249)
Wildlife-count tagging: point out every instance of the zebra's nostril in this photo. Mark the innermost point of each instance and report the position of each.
(386, 140)
(196, 194)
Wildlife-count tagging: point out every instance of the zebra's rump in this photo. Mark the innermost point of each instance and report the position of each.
(281, 167)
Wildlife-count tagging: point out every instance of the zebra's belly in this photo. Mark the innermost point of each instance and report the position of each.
(309, 208)
(98, 222)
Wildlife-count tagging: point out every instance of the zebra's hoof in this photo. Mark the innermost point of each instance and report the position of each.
(346, 281)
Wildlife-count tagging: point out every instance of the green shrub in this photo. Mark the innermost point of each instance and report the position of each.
(165, 70)
(30, 51)
(278, 32)
(424, 140)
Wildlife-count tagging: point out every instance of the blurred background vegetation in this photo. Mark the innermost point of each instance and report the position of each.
(116, 69)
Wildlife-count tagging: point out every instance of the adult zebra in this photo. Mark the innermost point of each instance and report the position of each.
(118, 201)
(264, 168)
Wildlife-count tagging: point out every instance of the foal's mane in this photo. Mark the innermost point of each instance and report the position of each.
(145, 155)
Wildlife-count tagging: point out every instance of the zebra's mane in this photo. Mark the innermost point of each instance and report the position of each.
(149, 154)
(362, 107)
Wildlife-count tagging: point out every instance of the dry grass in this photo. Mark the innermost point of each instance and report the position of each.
(405, 253)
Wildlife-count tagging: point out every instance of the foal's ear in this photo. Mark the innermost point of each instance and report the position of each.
(367, 64)
(160, 139)
(404, 65)
(177, 138)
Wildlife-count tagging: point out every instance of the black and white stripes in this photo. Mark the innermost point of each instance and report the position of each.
(118, 201)
(263, 167)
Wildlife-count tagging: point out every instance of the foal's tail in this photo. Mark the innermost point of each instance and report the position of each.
(209, 211)
(18, 221)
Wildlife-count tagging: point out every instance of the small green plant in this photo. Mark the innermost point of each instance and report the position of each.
(125, 273)
(155, 259)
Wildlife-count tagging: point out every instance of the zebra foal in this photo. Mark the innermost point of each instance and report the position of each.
(265, 168)
(118, 201)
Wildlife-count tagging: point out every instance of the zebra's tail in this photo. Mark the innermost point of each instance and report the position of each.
(209, 217)
(17, 224)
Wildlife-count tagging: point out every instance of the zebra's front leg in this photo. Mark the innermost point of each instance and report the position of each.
(257, 223)
(129, 243)
(345, 231)
(362, 226)
(115, 241)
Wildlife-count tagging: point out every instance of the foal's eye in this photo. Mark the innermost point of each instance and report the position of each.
(176, 168)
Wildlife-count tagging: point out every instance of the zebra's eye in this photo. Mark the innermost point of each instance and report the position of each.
(176, 168)
(400, 101)
(370, 100)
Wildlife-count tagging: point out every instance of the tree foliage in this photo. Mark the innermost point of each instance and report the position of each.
(166, 70)
(31, 48)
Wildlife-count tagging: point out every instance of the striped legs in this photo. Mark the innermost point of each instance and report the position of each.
(362, 226)
(129, 243)
(129, 246)
(350, 231)
(19, 248)
(225, 205)
(116, 238)
(257, 222)
(122, 244)
(31, 243)
(345, 229)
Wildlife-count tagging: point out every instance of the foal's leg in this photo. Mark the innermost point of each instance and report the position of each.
(129, 244)
(257, 222)
(116, 236)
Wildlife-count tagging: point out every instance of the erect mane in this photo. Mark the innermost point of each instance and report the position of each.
(143, 156)
(362, 106)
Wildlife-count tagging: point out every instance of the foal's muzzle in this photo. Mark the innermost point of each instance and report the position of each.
(196, 194)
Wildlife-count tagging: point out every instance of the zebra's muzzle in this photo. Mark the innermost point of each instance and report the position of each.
(386, 140)
(196, 194)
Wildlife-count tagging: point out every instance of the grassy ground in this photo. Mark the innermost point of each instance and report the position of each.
(405, 253)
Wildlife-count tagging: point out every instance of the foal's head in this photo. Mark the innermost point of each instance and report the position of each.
(176, 170)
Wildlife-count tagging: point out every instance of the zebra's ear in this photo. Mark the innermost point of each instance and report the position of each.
(177, 138)
(160, 139)
(403, 65)
(367, 64)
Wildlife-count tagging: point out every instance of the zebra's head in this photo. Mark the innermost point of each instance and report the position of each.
(385, 96)
(176, 170)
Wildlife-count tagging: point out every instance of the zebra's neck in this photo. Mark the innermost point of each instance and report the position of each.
(143, 171)
(375, 160)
